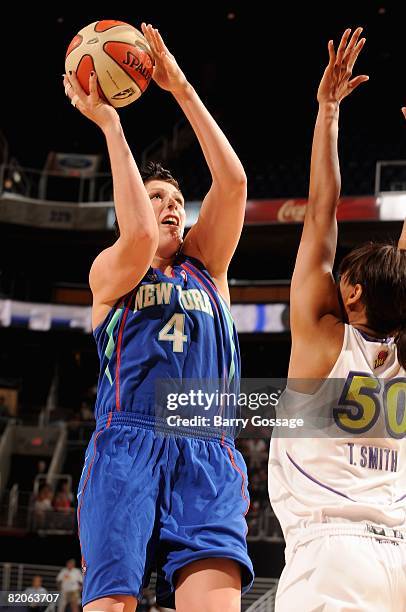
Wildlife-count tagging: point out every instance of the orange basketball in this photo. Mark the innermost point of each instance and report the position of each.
(120, 56)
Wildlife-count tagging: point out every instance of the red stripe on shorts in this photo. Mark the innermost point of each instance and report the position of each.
(235, 466)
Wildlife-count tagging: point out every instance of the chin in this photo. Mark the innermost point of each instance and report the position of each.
(169, 246)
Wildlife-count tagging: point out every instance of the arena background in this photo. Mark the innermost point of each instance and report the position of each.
(257, 67)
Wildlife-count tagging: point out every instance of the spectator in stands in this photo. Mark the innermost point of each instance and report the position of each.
(36, 588)
(41, 471)
(42, 505)
(63, 497)
(257, 453)
(61, 502)
(69, 582)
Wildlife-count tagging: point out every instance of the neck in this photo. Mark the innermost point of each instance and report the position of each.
(163, 263)
(359, 321)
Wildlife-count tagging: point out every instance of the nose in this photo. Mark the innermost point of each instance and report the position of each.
(172, 203)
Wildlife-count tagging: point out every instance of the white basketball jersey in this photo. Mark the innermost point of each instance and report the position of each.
(351, 464)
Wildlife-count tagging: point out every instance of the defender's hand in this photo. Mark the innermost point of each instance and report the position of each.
(337, 83)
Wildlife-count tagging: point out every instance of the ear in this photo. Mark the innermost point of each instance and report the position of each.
(355, 294)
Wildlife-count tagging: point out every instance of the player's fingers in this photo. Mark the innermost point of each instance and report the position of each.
(157, 46)
(68, 87)
(161, 44)
(355, 53)
(76, 86)
(147, 30)
(353, 41)
(331, 53)
(341, 46)
(404, 111)
(93, 92)
(75, 101)
(362, 78)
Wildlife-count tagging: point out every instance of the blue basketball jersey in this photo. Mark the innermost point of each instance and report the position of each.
(174, 328)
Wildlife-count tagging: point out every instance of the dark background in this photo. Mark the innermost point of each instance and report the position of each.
(256, 65)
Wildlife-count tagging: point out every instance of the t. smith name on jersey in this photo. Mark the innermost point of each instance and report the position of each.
(373, 457)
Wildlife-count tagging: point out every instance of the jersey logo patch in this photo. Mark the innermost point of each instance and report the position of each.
(153, 278)
(380, 359)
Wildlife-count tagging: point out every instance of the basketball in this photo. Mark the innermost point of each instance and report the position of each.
(120, 56)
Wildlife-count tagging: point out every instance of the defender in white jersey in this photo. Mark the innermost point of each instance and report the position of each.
(339, 491)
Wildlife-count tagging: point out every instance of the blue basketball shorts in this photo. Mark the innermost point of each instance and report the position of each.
(148, 501)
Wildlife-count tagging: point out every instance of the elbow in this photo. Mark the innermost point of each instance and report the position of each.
(146, 235)
(148, 238)
(235, 185)
(149, 233)
(240, 181)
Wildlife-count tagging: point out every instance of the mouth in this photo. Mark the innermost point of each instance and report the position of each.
(170, 220)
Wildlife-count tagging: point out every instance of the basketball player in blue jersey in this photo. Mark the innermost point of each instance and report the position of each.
(341, 496)
(161, 311)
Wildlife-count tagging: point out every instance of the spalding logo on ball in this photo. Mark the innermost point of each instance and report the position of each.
(120, 56)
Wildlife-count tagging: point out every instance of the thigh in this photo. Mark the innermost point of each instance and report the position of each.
(117, 499)
(203, 514)
(210, 585)
(336, 574)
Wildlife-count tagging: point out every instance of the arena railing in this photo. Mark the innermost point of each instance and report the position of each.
(6, 445)
(266, 603)
(18, 576)
(74, 186)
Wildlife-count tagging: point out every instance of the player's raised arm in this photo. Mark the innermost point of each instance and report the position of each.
(117, 269)
(215, 236)
(313, 291)
(402, 239)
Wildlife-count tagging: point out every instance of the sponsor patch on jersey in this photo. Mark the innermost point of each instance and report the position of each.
(380, 358)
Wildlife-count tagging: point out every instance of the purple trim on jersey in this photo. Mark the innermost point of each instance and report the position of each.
(202, 275)
(400, 498)
(189, 268)
(372, 339)
(317, 481)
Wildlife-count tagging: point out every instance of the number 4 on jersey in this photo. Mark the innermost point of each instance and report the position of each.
(177, 337)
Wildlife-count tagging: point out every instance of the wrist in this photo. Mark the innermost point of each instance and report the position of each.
(184, 92)
(329, 105)
(111, 127)
(329, 110)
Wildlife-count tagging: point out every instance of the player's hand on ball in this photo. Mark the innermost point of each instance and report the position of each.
(91, 106)
(337, 81)
(167, 73)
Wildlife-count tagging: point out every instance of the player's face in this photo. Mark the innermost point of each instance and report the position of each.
(169, 209)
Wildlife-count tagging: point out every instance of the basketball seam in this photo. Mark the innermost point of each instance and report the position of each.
(75, 47)
(118, 64)
(122, 23)
(94, 68)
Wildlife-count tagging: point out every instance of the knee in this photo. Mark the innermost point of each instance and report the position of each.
(114, 603)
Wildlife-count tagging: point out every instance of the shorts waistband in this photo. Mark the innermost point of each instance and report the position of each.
(160, 426)
(367, 530)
